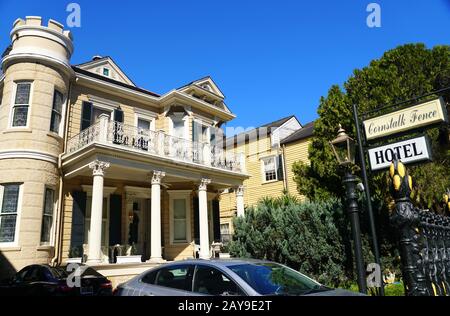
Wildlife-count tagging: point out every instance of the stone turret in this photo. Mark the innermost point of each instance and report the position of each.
(33, 41)
(34, 93)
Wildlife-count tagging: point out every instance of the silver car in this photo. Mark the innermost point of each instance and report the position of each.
(224, 277)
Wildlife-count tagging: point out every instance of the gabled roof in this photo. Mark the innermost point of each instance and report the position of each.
(279, 122)
(106, 79)
(266, 129)
(306, 131)
(205, 83)
(99, 62)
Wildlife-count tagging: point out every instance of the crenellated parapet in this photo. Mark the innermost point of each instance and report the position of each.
(33, 41)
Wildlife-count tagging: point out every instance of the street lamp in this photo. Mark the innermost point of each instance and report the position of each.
(344, 149)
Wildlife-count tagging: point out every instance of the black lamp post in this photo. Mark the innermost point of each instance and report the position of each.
(344, 150)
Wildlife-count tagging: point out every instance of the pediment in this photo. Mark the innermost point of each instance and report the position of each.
(105, 66)
(206, 84)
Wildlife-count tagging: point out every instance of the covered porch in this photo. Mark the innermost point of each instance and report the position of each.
(125, 207)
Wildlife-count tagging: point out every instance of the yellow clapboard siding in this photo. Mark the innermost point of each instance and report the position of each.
(255, 188)
(295, 151)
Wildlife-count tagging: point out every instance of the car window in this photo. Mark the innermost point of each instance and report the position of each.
(46, 274)
(19, 277)
(275, 279)
(59, 272)
(211, 281)
(179, 277)
(33, 275)
(150, 277)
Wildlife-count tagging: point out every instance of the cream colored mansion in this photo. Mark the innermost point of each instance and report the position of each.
(88, 160)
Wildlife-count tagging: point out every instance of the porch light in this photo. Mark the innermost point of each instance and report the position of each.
(343, 148)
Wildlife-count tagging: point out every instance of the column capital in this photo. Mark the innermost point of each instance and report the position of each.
(203, 184)
(240, 190)
(157, 176)
(98, 167)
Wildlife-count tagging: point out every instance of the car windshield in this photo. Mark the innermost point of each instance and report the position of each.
(276, 279)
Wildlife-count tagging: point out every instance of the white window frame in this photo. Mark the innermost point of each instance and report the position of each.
(109, 72)
(103, 108)
(178, 195)
(208, 126)
(263, 171)
(52, 228)
(14, 243)
(147, 116)
(103, 104)
(229, 228)
(184, 118)
(63, 113)
(13, 101)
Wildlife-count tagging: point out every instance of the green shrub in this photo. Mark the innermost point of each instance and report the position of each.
(397, 289)
(303, 235)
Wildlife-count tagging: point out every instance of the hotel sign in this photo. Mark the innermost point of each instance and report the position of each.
(423, 114)
(408, 151)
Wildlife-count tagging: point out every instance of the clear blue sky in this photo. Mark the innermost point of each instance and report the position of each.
(270, 58)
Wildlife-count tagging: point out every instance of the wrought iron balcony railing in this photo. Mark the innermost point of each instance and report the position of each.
(157, 144)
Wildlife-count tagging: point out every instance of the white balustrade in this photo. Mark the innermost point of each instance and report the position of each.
(157, 144)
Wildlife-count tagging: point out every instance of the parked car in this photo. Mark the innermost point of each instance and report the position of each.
(44, 280)
(224, 277)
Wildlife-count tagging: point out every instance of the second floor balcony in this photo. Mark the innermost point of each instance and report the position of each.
(156, 144)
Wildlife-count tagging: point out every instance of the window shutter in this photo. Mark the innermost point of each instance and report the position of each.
(280, 173)
(216, 220)
(196, 221)
(118, 115)
(115, 222)
(86, 114)
(78, 216)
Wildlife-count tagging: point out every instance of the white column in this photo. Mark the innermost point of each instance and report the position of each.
(206, 154)
(155, 253)
(240, 200)
(95, 232)
(203, 219)
(103, 124)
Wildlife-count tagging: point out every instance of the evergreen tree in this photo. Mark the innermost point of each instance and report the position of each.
(312, 237)
(401, 74)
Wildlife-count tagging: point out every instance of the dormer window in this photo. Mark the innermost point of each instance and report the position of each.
(106, 72)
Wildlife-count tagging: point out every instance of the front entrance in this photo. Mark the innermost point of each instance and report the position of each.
(139, 227)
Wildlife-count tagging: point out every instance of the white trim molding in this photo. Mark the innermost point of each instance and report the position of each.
(28, 154)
